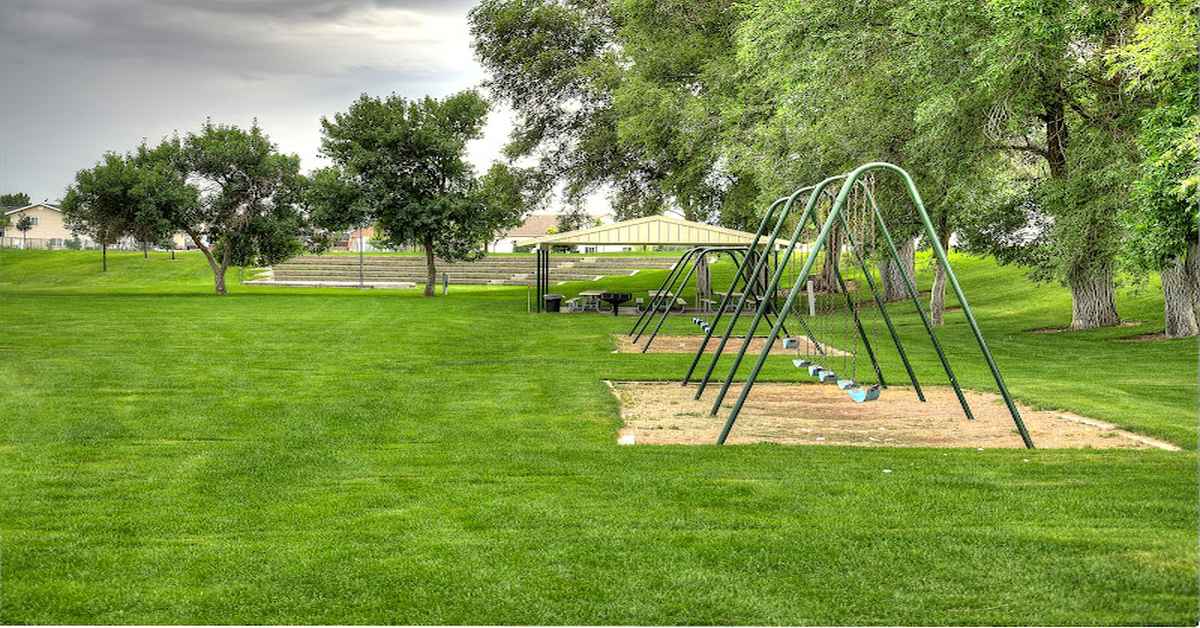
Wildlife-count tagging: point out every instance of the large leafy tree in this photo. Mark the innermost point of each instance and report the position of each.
(1159, 63)
(1042, 70)
(623, 95)
(985, 101)
(250, 207)
(98, 204)
(401, 166)
(556, 63)
(831, 85)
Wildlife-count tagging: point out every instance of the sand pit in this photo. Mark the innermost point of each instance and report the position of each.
(664, 413)
(689, 344)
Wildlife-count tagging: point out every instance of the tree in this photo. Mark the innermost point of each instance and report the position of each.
(1043, 71)
(829, 85)
(557, 63)
(958, 92)
(24, 224)
(98, 203)
(1158, 63)
(625, 95)
(249, 208)
(401, 165)
(573, 219)
(16, 199)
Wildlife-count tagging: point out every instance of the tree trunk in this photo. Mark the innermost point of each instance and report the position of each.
(827, 280)
(430, 269)
(103, 257)
(937, 295)
(219, 280)
(1181, 295)
(145, 251)
(217, 269)
(894, 288)
(1093, 300)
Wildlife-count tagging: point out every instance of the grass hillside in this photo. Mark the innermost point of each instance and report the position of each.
(345, 456)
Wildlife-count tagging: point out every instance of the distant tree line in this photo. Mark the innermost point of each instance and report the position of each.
(1055, 134)
(399, 165)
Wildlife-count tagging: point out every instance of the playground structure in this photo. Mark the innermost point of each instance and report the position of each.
(851, 223)
(695, 260)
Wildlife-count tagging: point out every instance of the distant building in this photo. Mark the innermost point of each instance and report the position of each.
(535, 226)
(48, 230)
(539, 226)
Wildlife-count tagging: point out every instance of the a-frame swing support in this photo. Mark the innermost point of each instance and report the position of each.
(848, 182)
(788, 202)
(739, 255)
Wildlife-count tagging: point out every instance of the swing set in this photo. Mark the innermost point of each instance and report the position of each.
(695, 261)
(846, 222)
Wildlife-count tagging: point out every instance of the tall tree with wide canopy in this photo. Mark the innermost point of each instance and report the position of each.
(401, 166)
(1042, 70)
(249, 209)
(98, 203)
(1159, 63)
(831, 85)
(625, 95)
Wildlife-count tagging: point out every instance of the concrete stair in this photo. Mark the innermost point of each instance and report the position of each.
(396, 270)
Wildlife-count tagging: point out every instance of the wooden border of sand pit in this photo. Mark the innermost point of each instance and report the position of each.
(664, 413)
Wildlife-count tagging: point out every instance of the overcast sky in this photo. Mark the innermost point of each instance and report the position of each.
(84, 76)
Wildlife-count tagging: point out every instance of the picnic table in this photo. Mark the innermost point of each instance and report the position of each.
(733, 299)
(586, 301)
(668, 297)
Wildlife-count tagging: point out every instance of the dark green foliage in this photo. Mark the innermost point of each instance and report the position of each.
(15, 199)
(250, 208)
(401, 166)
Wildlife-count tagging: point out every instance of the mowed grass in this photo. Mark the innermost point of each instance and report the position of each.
(326, 456)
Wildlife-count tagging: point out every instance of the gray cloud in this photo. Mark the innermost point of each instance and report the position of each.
(85, 76)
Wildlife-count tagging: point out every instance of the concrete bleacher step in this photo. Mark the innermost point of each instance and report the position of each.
(507, 270)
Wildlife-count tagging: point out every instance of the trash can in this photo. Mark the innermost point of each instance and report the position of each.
(553, 302)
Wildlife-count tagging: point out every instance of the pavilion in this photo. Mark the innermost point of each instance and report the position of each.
(648, 231)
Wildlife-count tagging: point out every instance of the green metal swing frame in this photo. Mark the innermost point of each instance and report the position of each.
(848, 181)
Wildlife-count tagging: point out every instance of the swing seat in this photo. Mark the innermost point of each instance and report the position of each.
(827, 377)
(814, 368)
(846, 384)
(859, 394)
(790, 343)
(801, 362)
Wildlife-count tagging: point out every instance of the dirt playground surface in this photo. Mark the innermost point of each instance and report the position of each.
(689, 344)
(664, 413)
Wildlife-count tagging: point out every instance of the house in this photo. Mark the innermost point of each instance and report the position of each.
(535, 226)
(48, 230)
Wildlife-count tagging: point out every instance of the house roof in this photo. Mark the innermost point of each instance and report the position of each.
(652, 230)
(535, 226)
(8, 211)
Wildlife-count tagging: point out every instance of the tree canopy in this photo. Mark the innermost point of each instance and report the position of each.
(401, 166)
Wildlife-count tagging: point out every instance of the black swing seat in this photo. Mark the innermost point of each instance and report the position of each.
(814, 368)
(846, 384)
(801, 362)
(826, 377)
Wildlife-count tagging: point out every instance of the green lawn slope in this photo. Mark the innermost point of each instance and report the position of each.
(346, 456)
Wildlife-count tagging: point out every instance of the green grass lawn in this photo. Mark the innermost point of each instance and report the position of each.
(344, 456)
